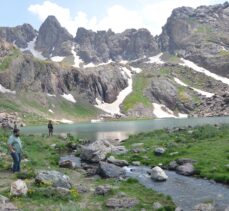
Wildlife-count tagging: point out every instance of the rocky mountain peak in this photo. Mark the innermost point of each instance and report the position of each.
(200, 35)
(19, 35)
(52, 38)
(102, 46)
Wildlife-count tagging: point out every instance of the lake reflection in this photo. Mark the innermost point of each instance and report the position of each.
(122, 129)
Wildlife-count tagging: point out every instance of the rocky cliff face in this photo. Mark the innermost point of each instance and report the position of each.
(53, 40)
(27, 74)
(101, 46)
(19, 35)
(201, 35)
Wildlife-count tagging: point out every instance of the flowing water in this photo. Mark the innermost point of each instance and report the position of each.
(186, 192)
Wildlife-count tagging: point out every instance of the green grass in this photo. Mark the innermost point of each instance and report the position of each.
(208, 145)
(42, 157)
(7, 60)
(223, 53)
(171, 58)
(140, 82)
(132, 188)
(9, 106)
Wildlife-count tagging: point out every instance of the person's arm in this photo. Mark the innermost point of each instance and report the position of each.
(10, 146)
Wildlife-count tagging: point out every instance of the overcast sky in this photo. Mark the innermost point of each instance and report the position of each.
(95, 14)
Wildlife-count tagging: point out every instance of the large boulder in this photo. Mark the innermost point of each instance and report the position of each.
(108, 170)
(120, 203)
(70, 161)
(53, 178)
(117, 162)
(158, 174)
(18, 188)
(96, 151)
(6, 205)
(186, 169)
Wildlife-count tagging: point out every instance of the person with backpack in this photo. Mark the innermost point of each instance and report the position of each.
(15, 148)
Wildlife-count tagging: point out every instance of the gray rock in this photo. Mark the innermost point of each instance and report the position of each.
(96, 151)
(107, 170)
(158, 174)
(186, 169)
(103, 189)
(119, 150)
(70, 161)
(117, 162)
(90, 168)
(18, 188)
(159, 151)
(172, 165)
(204, 207)
(157, 205)
(53, 178)
(82, 188)
(125, 202)
(182, 161)
(6, 205)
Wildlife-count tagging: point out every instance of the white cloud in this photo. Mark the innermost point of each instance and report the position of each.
(149, 15)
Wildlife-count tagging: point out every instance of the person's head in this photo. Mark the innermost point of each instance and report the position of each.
(50, 122)
(16, 132)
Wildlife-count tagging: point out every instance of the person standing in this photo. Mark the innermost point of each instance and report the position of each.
(50, 128)
(15, 148)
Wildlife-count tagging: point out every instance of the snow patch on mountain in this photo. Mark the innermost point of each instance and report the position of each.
(69, 97)
(57, 58)
(5, 90)
(161, 111)
(77, 60)
(31, 48)
(113, 108)
(156, 59)
(206, 94)
(197, 68)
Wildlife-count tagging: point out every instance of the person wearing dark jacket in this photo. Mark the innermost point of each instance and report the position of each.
(50, 128)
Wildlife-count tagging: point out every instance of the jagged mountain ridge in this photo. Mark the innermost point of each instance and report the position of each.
(26, 74)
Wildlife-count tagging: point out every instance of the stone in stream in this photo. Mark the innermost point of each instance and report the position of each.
(158, 174)
(172, 165)
(186, 169)
(53, 178)
(108, 170)
(18, 188)
(117, 162)
(70, 161)
(182, 161)
(121, 203)
(204, 207)
(6, 205)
